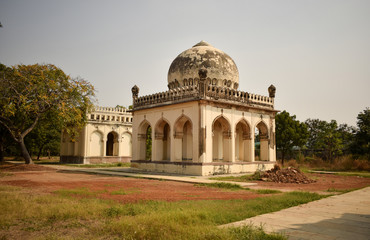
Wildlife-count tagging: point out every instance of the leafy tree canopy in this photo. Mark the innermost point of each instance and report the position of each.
(325, 138)
(362, 136)
(289, 133)
(29, 92)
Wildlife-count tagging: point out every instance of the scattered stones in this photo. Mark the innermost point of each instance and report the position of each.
(286, 175)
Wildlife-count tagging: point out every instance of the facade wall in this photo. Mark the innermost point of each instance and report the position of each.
(106, 138)
(232, 146)
(171, 115)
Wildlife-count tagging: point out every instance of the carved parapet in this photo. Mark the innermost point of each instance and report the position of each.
(204, 88)
(109, 109)
(176, 94)
(260, 100)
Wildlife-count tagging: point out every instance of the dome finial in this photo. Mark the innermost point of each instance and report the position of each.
(202, 43)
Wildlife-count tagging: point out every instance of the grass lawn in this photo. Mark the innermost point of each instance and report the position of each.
(77, 214)
(346, 173)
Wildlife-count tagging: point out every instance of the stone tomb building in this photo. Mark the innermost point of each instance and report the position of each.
(105, 139)
(203, 125)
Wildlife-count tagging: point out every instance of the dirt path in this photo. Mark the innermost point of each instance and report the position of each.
(48, 180)
(118, 188)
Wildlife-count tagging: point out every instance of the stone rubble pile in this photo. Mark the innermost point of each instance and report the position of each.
(287, 175)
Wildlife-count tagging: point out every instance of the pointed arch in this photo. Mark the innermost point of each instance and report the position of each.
(96, 144)
(261, 141)
(221, 139)
(183, 138)
(162, 140)
(243, 143)
(112, 144)
(145, 140)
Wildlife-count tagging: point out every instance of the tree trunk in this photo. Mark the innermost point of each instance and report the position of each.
(282, 157)
(24, 151)
(40, 150)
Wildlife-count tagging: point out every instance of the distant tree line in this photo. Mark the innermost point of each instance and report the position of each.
(323, 139)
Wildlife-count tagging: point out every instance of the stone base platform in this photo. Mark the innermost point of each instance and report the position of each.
(93, 160)
(201, 169)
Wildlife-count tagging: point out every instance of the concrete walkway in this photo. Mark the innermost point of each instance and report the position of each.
(345, 216)
(127, 172)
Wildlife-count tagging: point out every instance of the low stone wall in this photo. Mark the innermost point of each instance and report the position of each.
(93, 160)
(201, 169)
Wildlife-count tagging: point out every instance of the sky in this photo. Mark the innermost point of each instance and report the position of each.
(315, 52)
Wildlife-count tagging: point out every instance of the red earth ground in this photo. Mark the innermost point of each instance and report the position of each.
(48, 180)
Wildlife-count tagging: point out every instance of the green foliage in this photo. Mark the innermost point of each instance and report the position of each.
(30, 94)
(324, 138)
(289, 133)
(267, 191)
(361, 145)
(243, 178)
(224, 185)
(46, 135)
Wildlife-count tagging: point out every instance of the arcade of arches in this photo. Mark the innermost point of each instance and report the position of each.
(106, 138)
(183, 140)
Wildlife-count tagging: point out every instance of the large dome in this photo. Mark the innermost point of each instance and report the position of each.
(221, 69)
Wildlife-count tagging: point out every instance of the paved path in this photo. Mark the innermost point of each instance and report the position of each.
(345, 216)
(123, 172)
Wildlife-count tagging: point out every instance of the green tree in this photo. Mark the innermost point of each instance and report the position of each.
(29, 92)
(289, 133)
(347, 136)
(46, 135)
(324, 138)
(5, 140)
(361, 144)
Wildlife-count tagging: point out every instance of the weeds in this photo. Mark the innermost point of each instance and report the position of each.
(243, 178)
(224, 185)
(58, 216)
(266, 191)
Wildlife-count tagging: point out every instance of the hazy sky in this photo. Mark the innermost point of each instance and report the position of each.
(316, 53)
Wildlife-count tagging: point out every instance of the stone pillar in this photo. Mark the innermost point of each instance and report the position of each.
(157, 147)
(202, 121)
(264, 149)
(105, 139)
(177, 143)
(226, 142)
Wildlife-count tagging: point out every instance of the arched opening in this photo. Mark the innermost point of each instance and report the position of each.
(148, 143)
(221, 140)
(145, 141)
(183, 139)
(243, 142)
(112, 144)
(127, 144)
(162, 140)
(261, 142)
(96, 144)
